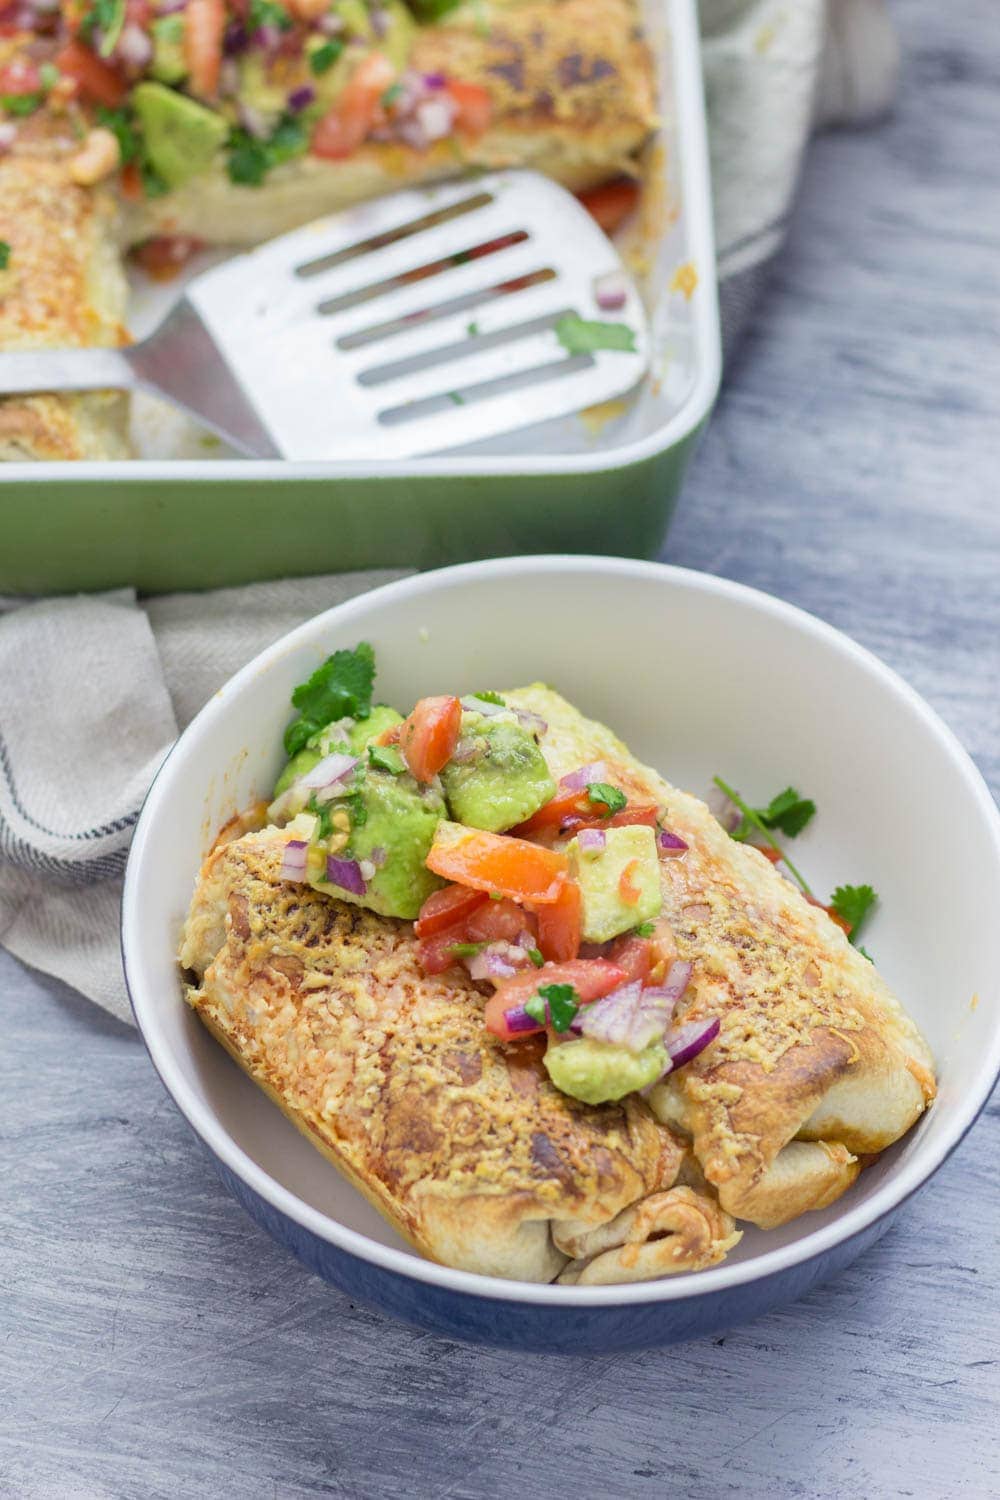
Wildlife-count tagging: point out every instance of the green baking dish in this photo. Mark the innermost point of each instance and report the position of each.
(164, 521)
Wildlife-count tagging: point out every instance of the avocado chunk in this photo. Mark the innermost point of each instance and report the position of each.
(389, 819)
(182, 137)
(504, 782)
(381, 718)
(168, 65)
(606, 911)
(597, 1072)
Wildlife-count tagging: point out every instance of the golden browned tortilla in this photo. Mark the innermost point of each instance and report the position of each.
(464, 1144)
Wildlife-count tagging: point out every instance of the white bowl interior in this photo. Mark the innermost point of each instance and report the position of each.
(699, 676)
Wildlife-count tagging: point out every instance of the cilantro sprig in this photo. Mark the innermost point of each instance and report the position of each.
(790, 813)
(341, 687)
(554, 1005)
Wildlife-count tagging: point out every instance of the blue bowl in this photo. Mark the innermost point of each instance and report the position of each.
(680, 665)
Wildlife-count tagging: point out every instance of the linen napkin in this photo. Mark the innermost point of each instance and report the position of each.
(94, 690)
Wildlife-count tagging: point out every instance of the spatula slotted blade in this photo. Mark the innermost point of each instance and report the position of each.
(423, 321)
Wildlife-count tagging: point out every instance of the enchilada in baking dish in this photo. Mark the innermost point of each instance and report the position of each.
(534, 1001)
(168, 124)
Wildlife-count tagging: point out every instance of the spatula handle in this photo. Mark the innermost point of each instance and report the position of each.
(64, 370)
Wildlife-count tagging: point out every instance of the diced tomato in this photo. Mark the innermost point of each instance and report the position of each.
(560, 925)
(499, 922)
(496, 862)
(346, 124)
(627, 888)
(435, 953)
(448, 908)
(634, 955)
(20, 77)
(473, 106)
(571, 811)
(164, 257)
(612, 202)
(834, 916)
(591, 978)
(131, 182)
(204, 26)
(99, 83)
(429, 736)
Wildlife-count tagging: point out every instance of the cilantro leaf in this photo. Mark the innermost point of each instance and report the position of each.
(864, 953)
(342, 686)
(21, 104)
(852, 903)
(323, 57)
(554, 1005)
(645, 929)
(466, 950)
(121, 124)
(4, 255)
(536, 956)
(788, 811)
(612, 797)
(583, 336)
(267, 13)
(489, 697)
(386, 758)
(324, 816)
(251, 159)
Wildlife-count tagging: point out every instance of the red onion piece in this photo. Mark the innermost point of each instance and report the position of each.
(634, 1017)
(134, 47)
(611, 291)
(329, 24)
(465, 751)
(675, 983)
(301, 98)
(724, 809)
(330, 770)
(670, 843)
(379, 21)
(531, 721)
(576, 781)
(435, 118)
(267, 38)
(490, 965)
(170, 7)
(685, 1042)
(435, 80)
(235, 39)
(378, 857)
(8, 135)
(346, 873)
(591, 840)
(518, 1020)
(293, 860)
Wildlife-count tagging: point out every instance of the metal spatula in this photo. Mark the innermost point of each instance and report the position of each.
(407, 325)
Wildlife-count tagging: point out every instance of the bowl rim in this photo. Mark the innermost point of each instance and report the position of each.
(908, 1177)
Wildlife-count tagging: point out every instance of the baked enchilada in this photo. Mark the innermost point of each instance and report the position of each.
(534, 1001)
(170, 124)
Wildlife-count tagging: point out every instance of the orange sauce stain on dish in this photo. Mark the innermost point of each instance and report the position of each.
(685, 280)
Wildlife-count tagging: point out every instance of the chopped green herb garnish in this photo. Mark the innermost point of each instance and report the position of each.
(122, 125)
(489, 697)
(267, 13)
(323, 57)
(645, 929)
(752, 816)
(322, 810)
(107, 17)
(584, 336)
(153, 185)
(21, 104)
(787, 811)
(555, 1005)
(386, 758)
(4, 255)
(250, 160)
(357, 810)
(472, 330)
(456, 399)
(466, 950)
(852, 903)
(864, 953)
(342, 686)
(392, 93)
(536, 956)
(496, 895)
(612, 797)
